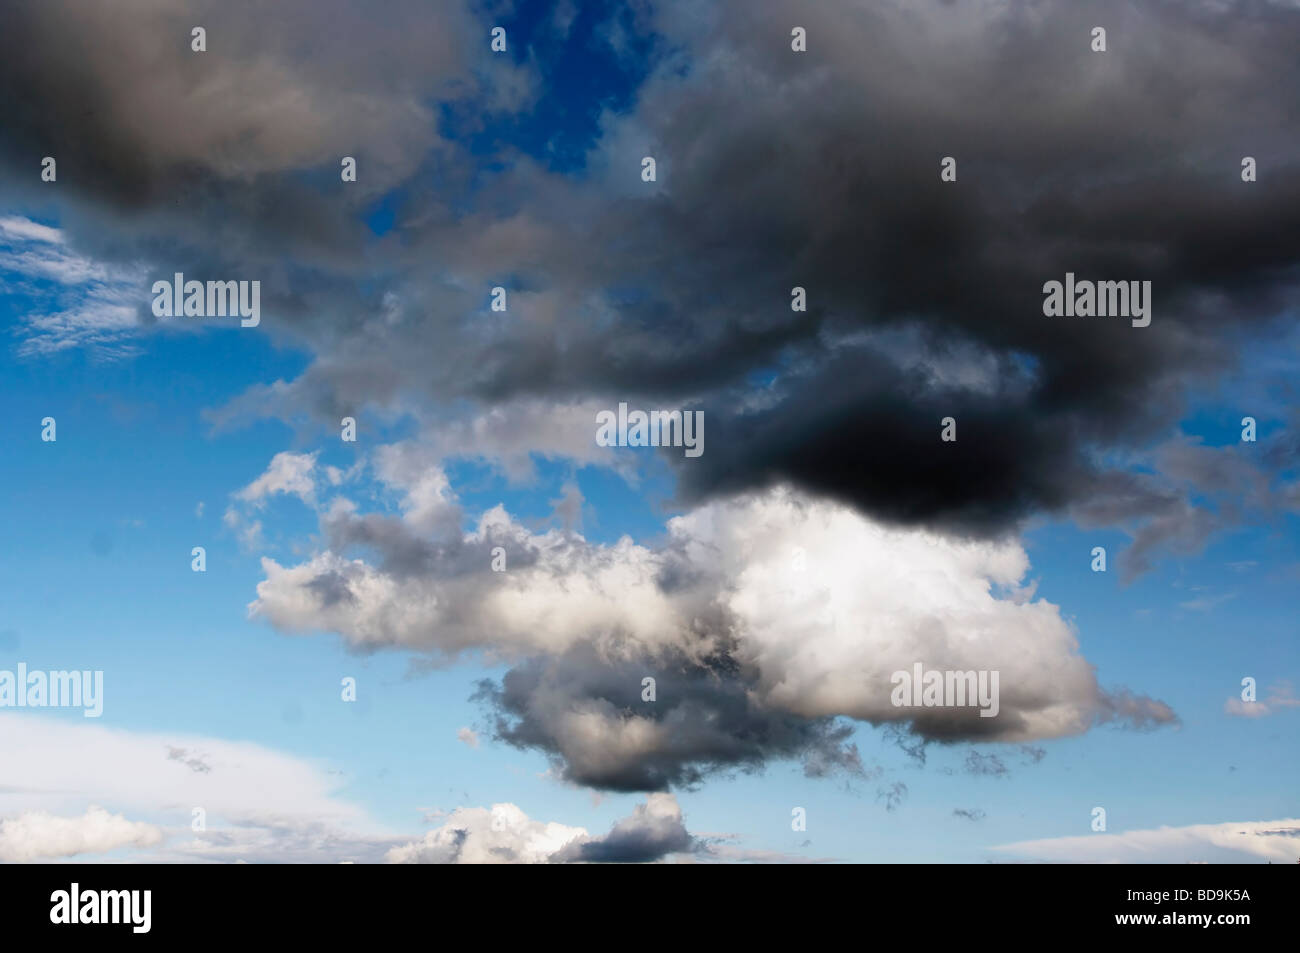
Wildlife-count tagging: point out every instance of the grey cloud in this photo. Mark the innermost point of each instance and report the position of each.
(653, 831)
(586, 713)
(1120, 165)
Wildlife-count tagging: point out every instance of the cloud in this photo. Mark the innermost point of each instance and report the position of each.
(1032, 754)
(871, 365)
(467, 736)
(1281, 696)
(756, 649)
(585, 712)
(1234, 842)
(36, 835)
(654, 830)
(274, 92)
(258, 804)
(503, 834)
(288, 473)
(15, 227)
(73, 301)
(192, 761)
(1206, 603)
(892, 795)
(513, 435)
(988, 765)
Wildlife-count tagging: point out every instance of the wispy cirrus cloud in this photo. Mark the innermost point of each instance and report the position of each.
(72, 302)
(1232, 842)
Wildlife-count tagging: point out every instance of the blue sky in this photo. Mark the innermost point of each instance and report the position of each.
(163, 429)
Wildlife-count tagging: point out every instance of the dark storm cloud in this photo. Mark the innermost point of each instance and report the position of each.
(777, 169)
(1133, 176)
(1110, 184)
(866, 432)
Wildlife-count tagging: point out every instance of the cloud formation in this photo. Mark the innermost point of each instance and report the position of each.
(763, 620)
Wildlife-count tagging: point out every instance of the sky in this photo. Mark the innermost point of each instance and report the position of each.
(363, 579)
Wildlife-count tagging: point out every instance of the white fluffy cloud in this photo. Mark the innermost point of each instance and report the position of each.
(37, 835)
(502, 834)
(289, 473)
(830, 604)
